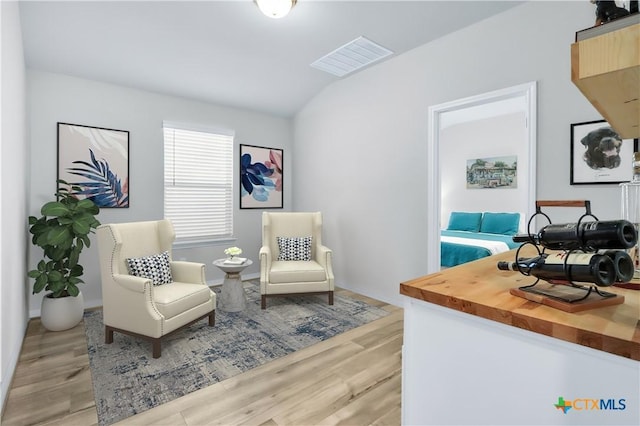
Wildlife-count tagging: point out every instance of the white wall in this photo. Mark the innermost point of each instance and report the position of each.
(57, 98)
(499, 136)
(14, 179)
(361, 144)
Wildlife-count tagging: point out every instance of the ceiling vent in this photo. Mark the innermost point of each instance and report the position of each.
(351, 57)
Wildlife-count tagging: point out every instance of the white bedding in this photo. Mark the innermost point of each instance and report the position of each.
(494, 247)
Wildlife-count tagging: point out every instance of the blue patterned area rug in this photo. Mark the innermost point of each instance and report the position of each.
(127, 380)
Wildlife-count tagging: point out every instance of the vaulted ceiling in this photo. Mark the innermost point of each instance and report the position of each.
(227, 52)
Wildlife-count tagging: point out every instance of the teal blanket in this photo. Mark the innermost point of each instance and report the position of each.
(452, 254)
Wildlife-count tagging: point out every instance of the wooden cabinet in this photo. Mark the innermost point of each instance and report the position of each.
(606, 69)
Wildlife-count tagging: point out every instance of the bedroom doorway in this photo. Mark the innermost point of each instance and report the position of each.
(499, 124)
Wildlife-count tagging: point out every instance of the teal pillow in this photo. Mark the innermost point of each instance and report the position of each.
(500, 223)
(464, 221)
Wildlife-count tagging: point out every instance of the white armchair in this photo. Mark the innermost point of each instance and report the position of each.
(138, 306)
(303, 266)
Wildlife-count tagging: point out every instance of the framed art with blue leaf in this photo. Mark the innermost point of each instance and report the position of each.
(260, 177)
(96, 159)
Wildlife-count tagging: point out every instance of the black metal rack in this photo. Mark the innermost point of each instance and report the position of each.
(566, 291)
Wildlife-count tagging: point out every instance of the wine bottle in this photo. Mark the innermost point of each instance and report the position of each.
(524, 265)
(623, 264)
(584, 267)
(614, 234)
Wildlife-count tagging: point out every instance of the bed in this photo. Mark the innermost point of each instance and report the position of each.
(474, 235)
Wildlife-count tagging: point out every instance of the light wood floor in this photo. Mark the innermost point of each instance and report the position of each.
(350, 379)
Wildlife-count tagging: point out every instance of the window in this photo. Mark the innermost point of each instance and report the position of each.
(198, 182)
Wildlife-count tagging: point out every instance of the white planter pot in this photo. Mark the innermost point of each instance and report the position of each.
(61, 313)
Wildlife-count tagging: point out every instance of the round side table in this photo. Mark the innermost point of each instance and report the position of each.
(233, 297)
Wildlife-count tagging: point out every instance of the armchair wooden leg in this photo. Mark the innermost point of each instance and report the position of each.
(331, 297)
(156, 347)
(155, 341)
(108, 334)
(264, 302)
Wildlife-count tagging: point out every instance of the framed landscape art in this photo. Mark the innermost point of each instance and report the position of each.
(97, 160)
(493, 172)
(260, 177)
(599, 155)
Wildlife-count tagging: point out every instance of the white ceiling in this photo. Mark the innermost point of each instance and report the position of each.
(227, 52)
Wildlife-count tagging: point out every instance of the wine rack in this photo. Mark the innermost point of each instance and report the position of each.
(574, 281)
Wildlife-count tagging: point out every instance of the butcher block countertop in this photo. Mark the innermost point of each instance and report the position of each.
(479, 288)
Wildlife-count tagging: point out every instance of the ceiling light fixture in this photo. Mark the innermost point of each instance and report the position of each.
(276, 8)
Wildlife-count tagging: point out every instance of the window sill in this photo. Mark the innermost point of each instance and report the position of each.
(182, 245)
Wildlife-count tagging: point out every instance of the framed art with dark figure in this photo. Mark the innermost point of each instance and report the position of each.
(95, 159)
(260, 177)
(599, 155)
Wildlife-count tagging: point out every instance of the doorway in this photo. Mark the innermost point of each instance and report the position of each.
(471, 128)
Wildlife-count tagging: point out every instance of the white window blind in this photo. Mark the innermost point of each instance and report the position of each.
(198, 182)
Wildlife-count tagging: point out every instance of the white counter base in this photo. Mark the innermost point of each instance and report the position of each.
(460, 369)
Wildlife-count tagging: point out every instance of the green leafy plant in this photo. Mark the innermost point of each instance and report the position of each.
(62, 232)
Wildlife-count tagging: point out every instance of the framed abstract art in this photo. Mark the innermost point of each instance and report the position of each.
(260, 177)
(96, 160)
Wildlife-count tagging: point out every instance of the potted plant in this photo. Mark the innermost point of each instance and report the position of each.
(62, 232)
(232, 252)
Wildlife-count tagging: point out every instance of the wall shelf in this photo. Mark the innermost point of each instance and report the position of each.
(606, 69)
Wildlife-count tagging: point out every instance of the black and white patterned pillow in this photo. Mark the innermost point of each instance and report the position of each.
(155, 267)
(294, 248)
